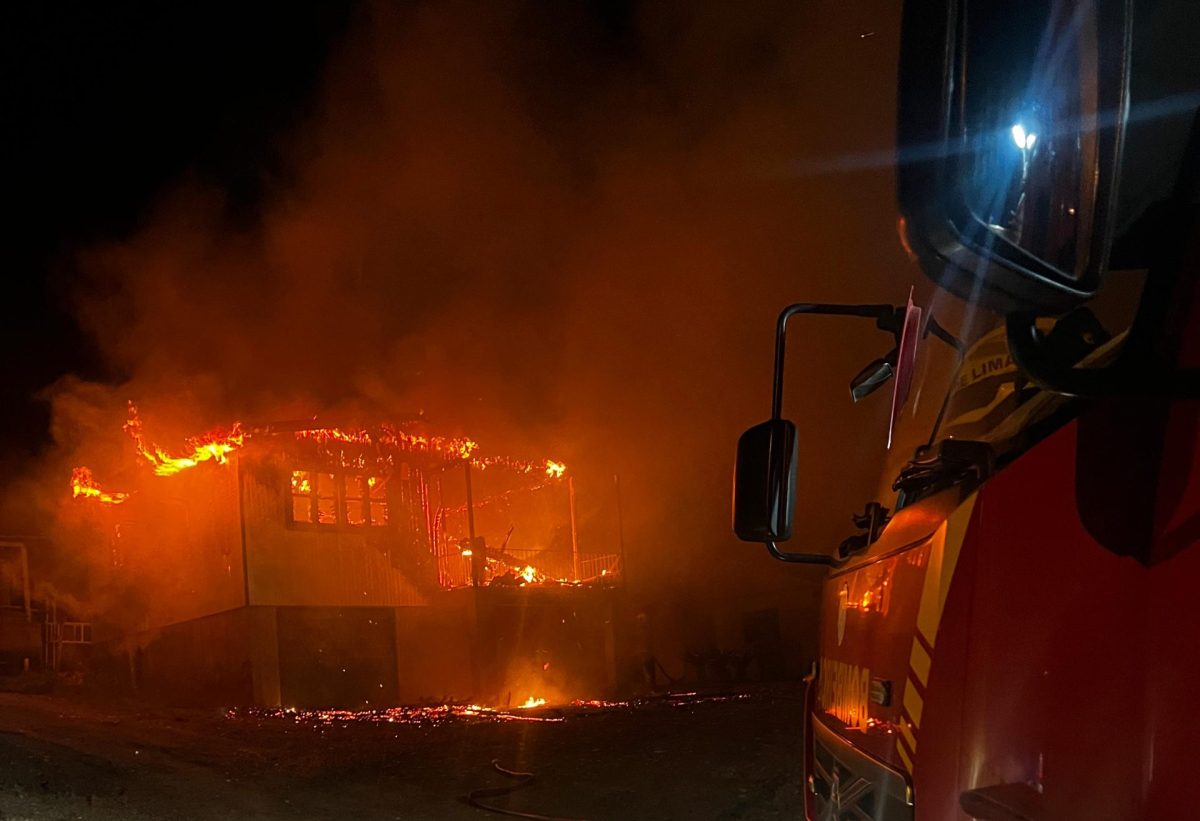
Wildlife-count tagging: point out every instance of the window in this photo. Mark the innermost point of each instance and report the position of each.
(356, 513)
(302, 499)
(379, 502)
(335, 498)
(327, 501)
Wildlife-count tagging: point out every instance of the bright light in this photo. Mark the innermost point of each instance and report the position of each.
(1023, 139)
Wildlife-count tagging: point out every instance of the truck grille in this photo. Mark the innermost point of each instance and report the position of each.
(848, 785)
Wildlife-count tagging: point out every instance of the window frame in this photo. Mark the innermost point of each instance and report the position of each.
(341, 484)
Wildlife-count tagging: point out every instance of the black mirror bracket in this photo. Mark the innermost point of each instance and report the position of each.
(801, 558)
(1028, 350)
(888, 318)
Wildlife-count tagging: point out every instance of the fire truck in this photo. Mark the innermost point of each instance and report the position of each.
(1014, 635)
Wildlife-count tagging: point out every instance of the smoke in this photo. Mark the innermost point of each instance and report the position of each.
(563, 233)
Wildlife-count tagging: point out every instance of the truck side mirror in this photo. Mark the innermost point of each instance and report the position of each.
(1010, 129)
(764, 482)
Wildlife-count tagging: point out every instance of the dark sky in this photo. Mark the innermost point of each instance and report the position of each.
(564, 228)
(105, 106)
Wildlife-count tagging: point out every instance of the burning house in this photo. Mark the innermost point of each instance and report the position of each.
(296, 565)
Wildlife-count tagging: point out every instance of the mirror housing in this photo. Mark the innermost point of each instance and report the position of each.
(1007, 166)
(764, 483)
(873, 377)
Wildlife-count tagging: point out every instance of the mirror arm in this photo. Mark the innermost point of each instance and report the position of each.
(1028, 352)
(932, 327)
(880, 313)
(884, 316)
(801, 558)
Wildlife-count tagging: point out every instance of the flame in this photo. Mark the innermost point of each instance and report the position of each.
(445, 446)
(82, 484)
(530, 574)
(531, 702)
(216, 445)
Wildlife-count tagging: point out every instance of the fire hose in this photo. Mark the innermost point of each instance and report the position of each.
(523, 780)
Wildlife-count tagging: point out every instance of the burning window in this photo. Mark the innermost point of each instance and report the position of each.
(330, 499)
(327, 499)
(378, 500)
(302, 498)
(356, 513)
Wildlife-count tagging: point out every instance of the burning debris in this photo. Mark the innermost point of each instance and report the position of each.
(82, 484)
(534, 709)
(215, 446)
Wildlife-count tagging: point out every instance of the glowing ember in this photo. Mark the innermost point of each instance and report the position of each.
(555, 470)
(216, 445)
(82, 484)
(424, 716)
(474, 713)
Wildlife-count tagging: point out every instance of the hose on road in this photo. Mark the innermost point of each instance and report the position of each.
(523, 780)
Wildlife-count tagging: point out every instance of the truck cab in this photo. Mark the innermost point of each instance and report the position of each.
(1014, 634)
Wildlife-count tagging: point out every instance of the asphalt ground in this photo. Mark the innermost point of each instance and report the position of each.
(728, 755)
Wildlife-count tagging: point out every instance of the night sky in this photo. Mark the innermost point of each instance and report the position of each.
(105, 107)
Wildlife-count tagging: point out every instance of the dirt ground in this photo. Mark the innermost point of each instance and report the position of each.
(688, 758)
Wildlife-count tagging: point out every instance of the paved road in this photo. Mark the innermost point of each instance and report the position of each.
(723, 758)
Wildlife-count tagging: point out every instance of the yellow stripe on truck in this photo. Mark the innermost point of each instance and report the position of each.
(919, 662)
(943, 558)
(913, 703)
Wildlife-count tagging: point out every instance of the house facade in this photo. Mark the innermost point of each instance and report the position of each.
(320, 569)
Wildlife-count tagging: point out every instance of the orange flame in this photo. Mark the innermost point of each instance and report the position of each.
(531, 702)
(447, 447)
(215, 446)
(82, 484)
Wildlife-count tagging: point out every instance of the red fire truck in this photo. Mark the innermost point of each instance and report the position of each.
(1016, 635)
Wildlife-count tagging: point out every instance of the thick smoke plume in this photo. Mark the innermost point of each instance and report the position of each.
(561, 236)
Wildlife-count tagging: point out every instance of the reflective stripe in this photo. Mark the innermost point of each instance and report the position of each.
(913, 703)
(918, 662)
(943, 556)
(907, 735)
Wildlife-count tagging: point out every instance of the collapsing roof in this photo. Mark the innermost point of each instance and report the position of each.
(391, 478)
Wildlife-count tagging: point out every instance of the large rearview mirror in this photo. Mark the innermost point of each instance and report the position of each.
(1010, 124)
(764, 482)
